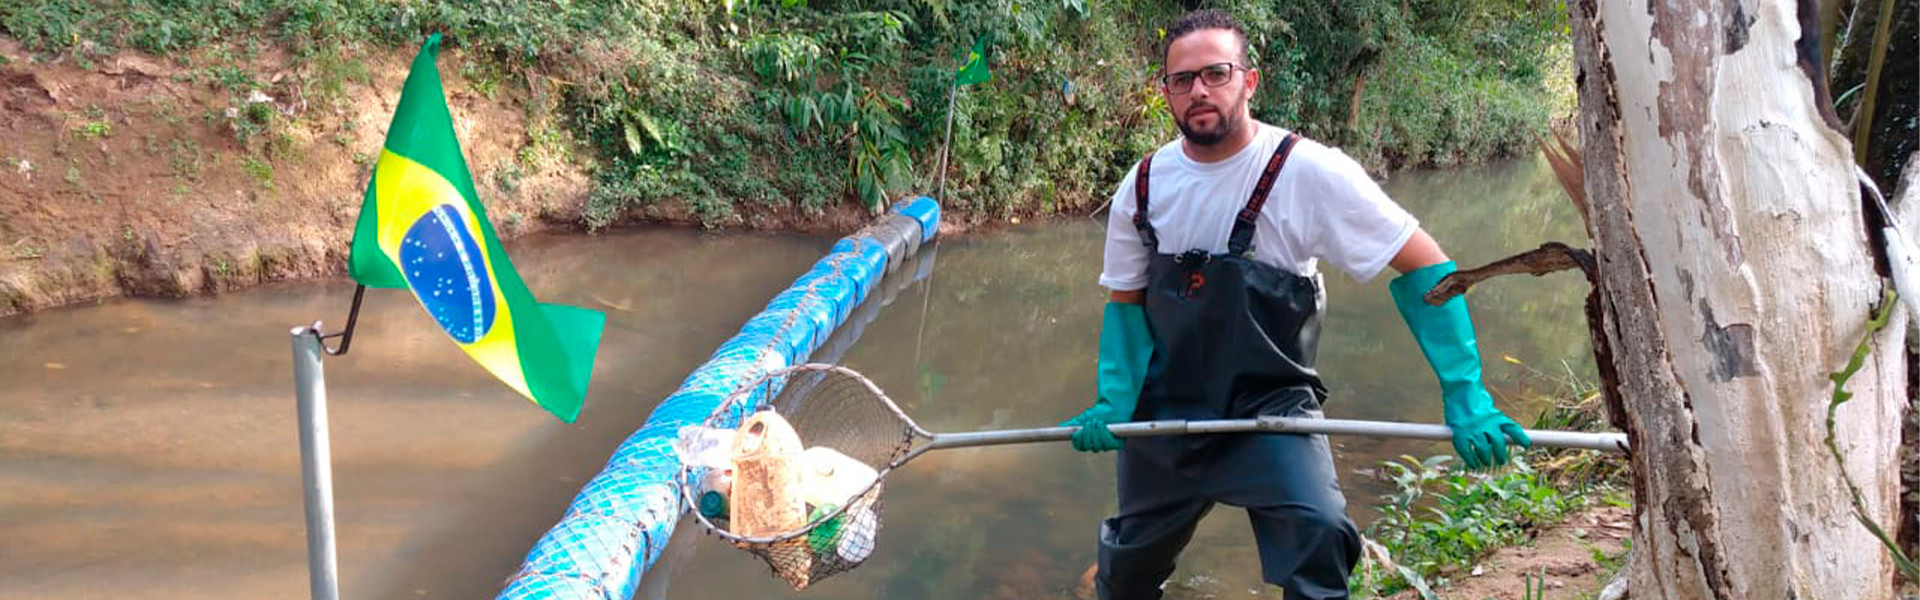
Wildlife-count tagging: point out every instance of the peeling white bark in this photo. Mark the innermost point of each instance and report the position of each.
(1735, 276)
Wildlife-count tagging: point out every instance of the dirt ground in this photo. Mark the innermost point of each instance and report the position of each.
(1569, 561)
(140, 175)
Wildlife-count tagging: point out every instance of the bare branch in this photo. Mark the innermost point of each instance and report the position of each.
(1550, 257)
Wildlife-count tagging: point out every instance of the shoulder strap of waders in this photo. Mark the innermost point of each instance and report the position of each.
(1147, 235)
(1245, 222)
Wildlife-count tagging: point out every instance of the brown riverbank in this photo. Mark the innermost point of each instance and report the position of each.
(139, 175)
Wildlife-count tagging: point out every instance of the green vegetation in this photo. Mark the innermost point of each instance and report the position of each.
(25, 250)
(1440, 519)
(1904, 563)
(184, 160)
(260, 170)
(731, 105)
(96, 125)
(94, 130)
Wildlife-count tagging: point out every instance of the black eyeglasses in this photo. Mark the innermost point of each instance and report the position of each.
(1214, 75)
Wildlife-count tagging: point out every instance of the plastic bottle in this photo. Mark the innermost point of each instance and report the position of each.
(856, 535)
(824, 538)
(713, 490)
(704, 446)
(828, 477)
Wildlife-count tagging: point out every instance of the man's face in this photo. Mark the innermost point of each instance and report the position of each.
(1204, 113)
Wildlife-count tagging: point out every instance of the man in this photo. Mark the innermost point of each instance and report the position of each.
(1211, 255)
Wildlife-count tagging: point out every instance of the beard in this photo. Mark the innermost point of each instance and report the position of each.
(1226, 121)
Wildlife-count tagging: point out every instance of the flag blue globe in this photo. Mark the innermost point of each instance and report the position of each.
(445, 266)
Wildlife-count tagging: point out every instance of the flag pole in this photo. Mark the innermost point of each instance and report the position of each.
(316, 462)
(947, 143)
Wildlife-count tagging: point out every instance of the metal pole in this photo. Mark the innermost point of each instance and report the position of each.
(316, 463)
(946, 145)
(1610, 442)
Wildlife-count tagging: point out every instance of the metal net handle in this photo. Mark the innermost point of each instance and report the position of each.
(926, 441)
(908, 428)
(1580, 440)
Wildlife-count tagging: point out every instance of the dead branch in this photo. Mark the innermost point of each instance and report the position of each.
(1551, 257)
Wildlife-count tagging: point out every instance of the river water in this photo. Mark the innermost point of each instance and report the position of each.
(148, 448)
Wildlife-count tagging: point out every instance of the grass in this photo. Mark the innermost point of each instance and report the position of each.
(94, 130)
(260, 170)
(25, 250)
(183, 159)
(1439, 519)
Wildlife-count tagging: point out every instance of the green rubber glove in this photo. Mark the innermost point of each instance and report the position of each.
(1445, 334)
(1125, 347)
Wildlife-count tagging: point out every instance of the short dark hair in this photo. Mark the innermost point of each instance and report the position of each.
(1200, 20)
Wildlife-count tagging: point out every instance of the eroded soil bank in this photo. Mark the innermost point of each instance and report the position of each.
(151, 176)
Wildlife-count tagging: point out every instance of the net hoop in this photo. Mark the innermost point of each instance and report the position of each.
(848, 412)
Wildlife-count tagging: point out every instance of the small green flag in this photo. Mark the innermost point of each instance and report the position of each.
(422, 227)
(975, 71)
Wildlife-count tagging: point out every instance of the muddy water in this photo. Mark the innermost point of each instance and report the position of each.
(148, 449)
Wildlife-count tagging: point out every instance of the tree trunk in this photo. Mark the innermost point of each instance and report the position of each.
(1734, 278)
(1907, 206)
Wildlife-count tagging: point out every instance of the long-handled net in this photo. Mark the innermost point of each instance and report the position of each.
(798, 481)
(825, 519)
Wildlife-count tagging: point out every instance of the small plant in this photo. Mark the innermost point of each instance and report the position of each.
(1609, 563)
(232, 77)
(252, 120)
(94, 130)
(184, 159)
(169, 114)
(481, 78)
(1536, 585)
(26, 250)
(507, 176)
(260, 170)
(332, 71)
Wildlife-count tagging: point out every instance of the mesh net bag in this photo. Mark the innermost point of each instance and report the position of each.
(809, 507)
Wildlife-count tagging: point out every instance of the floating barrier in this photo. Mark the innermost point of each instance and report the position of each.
(621, 520)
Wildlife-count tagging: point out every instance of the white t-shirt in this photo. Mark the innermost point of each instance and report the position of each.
(1323, 207)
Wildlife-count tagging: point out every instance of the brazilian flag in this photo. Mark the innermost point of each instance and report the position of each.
(975, 69)
(423, 228)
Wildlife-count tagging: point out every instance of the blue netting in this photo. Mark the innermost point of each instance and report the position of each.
(621, 520)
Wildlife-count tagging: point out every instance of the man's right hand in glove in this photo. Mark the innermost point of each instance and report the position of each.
(1126, 346)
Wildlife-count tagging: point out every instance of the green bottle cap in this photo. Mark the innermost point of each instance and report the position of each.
(713, 505)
